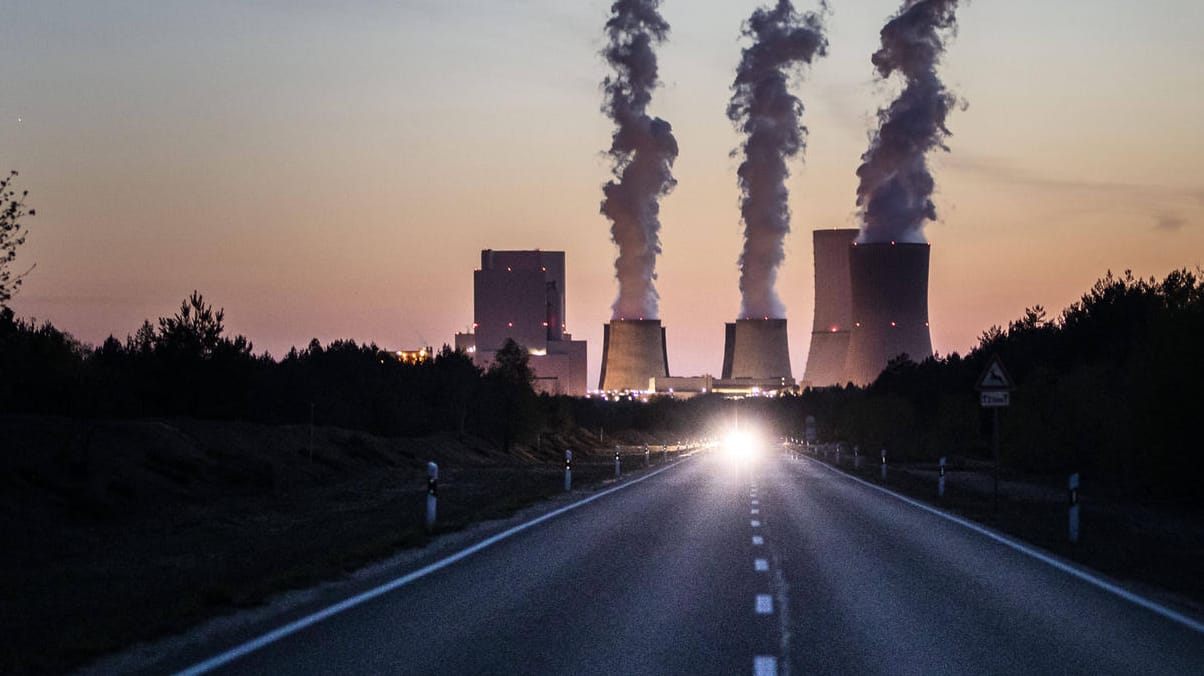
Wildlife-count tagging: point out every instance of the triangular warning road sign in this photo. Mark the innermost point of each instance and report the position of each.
(995, 377)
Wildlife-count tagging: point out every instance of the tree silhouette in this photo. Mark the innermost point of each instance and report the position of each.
(12, 236)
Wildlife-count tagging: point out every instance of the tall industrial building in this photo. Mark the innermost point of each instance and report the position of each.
(521, 295)
(889, 284)
(833, 322)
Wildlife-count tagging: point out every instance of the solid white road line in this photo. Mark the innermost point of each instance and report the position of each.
(764, 604)
(760, 565)
(758, 540)
(314, 618)
(1152, 606)
(764, 665)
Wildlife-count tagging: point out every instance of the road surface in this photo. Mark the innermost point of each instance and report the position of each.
(778, 567)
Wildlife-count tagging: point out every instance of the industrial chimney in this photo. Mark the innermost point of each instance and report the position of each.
(833, 321)
(890, 307)
(756, 350)
(633, 352)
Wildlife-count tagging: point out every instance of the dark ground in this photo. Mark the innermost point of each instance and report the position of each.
(123, 531)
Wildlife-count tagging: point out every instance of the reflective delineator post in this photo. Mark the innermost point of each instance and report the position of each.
(884, 464)
(647, 457)
(432, 493)
(617, 470)
(568, 470)
(940, 482)
(1073, 485)
(838, 455)
(856, 457)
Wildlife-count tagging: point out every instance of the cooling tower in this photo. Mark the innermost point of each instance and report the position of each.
(890, 307)
(633, 352)
(756, 349)
(833, 321)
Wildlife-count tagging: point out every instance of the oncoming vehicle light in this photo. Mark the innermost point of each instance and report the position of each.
(740, 445)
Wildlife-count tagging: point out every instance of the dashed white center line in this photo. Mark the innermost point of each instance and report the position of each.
(764, 604)
(758, 540)
(754, 511)
(763, 665)
(760, 565)
(755, 523)
(756, 502)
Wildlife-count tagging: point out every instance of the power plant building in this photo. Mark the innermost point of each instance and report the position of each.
(889, 291)
(756, 357)
(633, 354)
(833, 320)
(521, 295)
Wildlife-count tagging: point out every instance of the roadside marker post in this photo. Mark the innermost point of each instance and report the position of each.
(618, 471)
(838, 455)
(568, 470)
(432, 493)
(884, 464)
(1073, 485)
(940, 482)
(856, 457)
(647, 456)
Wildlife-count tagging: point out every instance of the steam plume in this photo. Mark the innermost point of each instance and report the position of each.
(895, 194)
(643, 150)
(770, 117)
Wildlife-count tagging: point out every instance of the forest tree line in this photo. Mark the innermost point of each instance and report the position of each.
(1110, 387)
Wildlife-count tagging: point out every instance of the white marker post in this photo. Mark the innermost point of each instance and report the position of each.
(432, 493)
(1074, 508)
(940, 482)
(838, 455)
(856, 457)
(568, 470)
(618, 471)
(647, 456)
(884, 464)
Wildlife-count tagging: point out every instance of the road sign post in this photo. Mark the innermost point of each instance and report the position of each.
(1073, 486)
(940, 482)
(432, 494)
(995, 392)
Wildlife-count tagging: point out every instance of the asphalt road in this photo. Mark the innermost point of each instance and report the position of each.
(781, 567)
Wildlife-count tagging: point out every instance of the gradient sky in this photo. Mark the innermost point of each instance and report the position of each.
(332, 169)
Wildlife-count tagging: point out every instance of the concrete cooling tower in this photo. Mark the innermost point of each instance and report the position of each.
(757, 350)
(633, 352)
(890, 307)
(833, 321)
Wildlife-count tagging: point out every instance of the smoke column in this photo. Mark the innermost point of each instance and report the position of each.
(895, 193)
(770, 118)
(643, 150)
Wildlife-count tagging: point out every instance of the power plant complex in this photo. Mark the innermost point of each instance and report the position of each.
(871, 306)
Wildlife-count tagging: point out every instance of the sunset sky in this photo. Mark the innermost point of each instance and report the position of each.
(333, 169)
